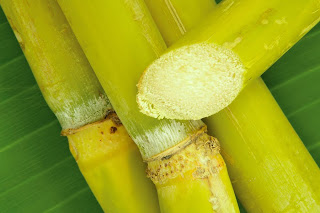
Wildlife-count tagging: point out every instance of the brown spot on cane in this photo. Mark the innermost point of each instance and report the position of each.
(113, 129)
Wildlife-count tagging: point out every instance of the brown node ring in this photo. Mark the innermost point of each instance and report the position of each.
(167, 154)
(193, 154)
(110, 115)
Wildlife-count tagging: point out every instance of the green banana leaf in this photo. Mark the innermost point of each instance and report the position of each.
(37, 171)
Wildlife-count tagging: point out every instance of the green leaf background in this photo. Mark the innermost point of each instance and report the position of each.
(37, 171)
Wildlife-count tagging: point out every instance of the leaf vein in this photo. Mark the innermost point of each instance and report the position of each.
(14, 143)
(37, 175)
(69, 198)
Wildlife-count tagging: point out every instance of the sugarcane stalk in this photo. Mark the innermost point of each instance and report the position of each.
(270, 169)
(119, 48)
(216, 60)
(106, 156)
(113, 167)
(194, 179)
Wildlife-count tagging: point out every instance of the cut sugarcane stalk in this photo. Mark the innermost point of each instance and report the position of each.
(270, 168)
(107, 157)
(217, 59)
(119, 48)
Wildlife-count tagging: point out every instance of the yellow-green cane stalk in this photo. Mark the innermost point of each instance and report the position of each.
(75, 97)
(119, 48)
(107, 157)
(194, 179)
(236, 43)
(269, 167)
(113, 168)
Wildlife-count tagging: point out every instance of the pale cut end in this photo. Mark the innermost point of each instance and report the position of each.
(191, 82)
